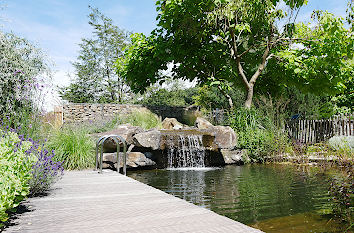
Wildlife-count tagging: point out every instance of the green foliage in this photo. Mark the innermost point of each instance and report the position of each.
(342, 143)
(211, 40)
(15, 172)
(24, 73)
(144, 119)
(318, 64)
(209, 97)
(257, 134)
(95, 78)
(73, 146)
(174, 95)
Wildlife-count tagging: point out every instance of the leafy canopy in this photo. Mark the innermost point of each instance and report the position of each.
(222, 42)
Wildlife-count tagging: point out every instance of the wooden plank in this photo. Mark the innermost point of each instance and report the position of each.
(85, 201)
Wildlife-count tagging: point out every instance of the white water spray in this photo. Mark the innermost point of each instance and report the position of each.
(185, 151)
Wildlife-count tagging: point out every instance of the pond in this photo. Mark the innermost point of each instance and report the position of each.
(273, 198)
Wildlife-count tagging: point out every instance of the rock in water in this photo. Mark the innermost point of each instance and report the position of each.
(234, 156)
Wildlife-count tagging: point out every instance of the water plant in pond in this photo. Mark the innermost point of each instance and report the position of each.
(342, 193)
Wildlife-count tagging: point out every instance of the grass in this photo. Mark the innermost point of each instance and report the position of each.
(142, 118)
(73, 146)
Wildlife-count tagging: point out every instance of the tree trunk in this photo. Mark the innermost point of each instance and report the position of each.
(248, 102)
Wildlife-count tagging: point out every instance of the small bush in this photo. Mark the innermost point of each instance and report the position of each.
(257, 134)
(45, 171)
(15, 169)
(342, 143)
(25, 169)
(73, 146)
(143, 118)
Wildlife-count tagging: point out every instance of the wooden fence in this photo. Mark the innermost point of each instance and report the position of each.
(314, 131)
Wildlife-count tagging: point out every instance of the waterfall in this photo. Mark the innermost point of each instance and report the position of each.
(185, 151)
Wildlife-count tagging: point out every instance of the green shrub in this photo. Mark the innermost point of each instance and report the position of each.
(73, 146)
(15, 171)
(143, 118)
(257, 134)
(342, 143)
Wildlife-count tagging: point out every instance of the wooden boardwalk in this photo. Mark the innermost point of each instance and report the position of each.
(85, 201)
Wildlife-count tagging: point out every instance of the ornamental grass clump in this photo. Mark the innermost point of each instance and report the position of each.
(142, 118)
(257, 134)
(73, 146)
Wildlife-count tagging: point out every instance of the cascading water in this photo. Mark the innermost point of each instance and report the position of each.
(185, 151)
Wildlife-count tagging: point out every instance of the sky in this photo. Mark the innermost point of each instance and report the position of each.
(57, 26)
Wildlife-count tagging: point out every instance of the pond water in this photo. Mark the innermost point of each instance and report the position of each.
(273, 198)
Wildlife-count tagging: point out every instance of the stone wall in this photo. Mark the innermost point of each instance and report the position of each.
(83, 112)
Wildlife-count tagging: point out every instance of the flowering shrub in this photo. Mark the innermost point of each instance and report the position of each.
(15, 169)
(25, 169)
(45, 171)
(24, 76)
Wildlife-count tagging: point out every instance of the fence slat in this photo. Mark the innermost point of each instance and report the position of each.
(314, 131)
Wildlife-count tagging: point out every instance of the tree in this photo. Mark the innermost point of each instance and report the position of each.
(95, 78)
(24, 74)
(229, 41)
(215, 41)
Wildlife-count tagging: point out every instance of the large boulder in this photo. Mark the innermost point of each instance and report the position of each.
(171, 123)
(134, 160)
(148, 139)
(126, 131)
(225, 136)
(202, 123)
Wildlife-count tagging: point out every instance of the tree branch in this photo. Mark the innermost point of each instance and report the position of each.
(263, 63)
(242, 73)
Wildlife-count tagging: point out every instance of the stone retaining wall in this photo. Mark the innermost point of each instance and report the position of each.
(83, 112)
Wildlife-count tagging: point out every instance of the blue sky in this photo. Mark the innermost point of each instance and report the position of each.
(57, 26)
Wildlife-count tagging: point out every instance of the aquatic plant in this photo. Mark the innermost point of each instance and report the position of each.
(342, 193)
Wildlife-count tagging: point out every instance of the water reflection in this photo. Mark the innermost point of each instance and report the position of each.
(249, 194)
